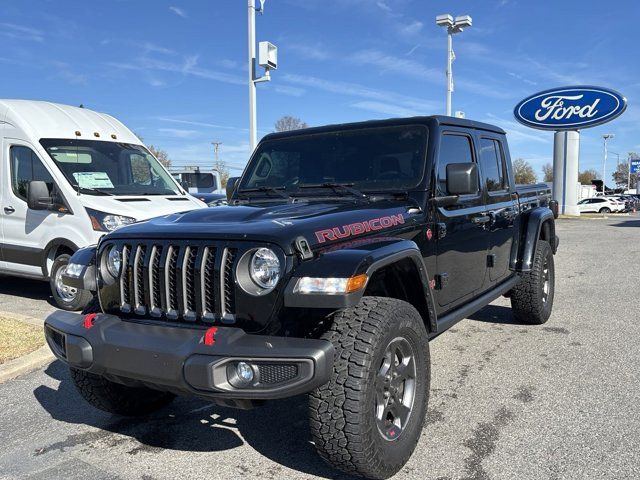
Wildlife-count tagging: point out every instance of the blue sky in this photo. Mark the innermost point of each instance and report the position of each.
(175, 72)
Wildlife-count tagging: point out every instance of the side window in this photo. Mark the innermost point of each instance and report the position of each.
(453, 149)
(492, 164)
(25, 167)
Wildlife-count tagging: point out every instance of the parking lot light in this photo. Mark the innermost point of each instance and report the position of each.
(453, 26)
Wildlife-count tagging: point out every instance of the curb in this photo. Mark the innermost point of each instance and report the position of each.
(25, 364)
(29, 362)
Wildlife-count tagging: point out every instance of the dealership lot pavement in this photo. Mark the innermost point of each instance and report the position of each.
(26, 297)
(508, 400)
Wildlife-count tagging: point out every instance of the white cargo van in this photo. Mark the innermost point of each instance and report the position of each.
(68, 175)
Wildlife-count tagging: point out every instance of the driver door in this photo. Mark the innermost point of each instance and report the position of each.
(464, 241)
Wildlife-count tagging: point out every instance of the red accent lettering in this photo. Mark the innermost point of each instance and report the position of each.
(210, 336)
(344, 234)
(324, 235)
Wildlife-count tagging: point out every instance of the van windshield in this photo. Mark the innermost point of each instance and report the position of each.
(109, 168)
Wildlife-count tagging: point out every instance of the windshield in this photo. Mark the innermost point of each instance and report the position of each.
(109, 168)
(369, 159)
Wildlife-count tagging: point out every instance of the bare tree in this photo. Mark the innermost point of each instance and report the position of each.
(288, 123)
(223, 170)
(523, 171)
(161, 155)
(585, 177)
(547, 170)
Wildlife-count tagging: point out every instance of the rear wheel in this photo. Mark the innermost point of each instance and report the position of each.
(532, 298)
(67, 298)
(367, 420)
(605, 210)
(116, 398)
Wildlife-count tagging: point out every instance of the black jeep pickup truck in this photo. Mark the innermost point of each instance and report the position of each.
(343, 251)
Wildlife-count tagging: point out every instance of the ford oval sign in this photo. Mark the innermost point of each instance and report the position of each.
(570, 108)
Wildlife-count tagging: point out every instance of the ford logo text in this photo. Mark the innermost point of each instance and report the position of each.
(570, 108)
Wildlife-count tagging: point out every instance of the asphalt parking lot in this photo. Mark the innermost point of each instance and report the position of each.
(508, 401)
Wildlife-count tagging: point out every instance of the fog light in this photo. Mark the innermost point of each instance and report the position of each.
(245, 372)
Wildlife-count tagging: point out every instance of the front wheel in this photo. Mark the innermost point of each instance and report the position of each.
(532, 298)
(66, 298)
(368, 418)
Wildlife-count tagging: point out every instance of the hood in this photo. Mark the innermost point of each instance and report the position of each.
(141, 207)
(319, 222)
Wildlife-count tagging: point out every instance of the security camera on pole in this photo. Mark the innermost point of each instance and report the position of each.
(267, 59)
(453, 27)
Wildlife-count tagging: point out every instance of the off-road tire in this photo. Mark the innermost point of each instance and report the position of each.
(82, 297)
(528, 297)
(342, 412)
(116, 398)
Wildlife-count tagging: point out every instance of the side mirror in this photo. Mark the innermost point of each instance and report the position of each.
(231, 186)
(38, 195)
(462, 178)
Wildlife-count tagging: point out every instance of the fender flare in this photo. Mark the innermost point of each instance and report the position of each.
(86, 278)
(55, 243)
(348, 262)
(535, 220)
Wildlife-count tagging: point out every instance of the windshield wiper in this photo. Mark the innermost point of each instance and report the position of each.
(275, 190)
(347, 187)
(97, 190)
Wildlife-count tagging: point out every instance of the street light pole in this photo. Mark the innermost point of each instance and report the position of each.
(606, 138)
(453, 27)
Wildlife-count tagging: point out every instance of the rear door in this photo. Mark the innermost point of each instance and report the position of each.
(462, 246)
(500, 200)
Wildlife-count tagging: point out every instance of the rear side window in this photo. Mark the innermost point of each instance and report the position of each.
(453, 149)
(492, 164)
(25, 167)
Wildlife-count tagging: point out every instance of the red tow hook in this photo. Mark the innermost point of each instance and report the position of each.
(210, 336)
(88, 320)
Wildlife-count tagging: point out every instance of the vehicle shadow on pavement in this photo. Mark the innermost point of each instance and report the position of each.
(278, 430)
(631, 223)
(495, 314)
(26, 288)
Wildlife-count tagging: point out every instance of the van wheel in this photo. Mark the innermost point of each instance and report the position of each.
(368, 418)
(67, 298)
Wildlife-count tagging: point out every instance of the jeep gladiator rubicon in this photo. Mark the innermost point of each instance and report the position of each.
(343, 251)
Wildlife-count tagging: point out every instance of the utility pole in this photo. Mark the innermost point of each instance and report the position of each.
(268, 59)
(216, 149)
(606, 138)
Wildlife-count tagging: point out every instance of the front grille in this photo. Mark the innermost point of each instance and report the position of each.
(272, 373)
(178, 282)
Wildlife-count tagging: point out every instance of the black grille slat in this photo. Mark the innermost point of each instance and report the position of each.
(228, 283)
(182, 281)
(274, 373)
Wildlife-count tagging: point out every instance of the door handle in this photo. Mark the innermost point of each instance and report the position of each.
(481, 219)
(9, 209)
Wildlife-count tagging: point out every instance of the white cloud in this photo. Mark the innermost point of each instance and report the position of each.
(195, 123)
(314, 52)
(288, 90)
(178, 132)
(383, 6)
(178, 11)
(389, 63)
(412, 28)
(20, 32)
(386, 109)
(360, 91)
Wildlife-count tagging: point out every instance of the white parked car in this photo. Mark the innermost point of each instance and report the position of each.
(68, 176)
(600, 205)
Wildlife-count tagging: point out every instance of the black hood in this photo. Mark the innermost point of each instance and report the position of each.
(320, 222)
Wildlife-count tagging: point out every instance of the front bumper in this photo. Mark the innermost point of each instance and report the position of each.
(176, 359)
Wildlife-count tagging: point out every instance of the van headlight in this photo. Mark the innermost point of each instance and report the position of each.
(264, 268)
(107, 222)
(114, 261)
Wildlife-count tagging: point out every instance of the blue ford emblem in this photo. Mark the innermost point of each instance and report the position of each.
(570, 108)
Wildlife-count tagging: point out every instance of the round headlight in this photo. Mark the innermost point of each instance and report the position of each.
(114, 261)
(265, 268)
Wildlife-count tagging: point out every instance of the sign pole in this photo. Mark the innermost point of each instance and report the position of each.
(566, 152)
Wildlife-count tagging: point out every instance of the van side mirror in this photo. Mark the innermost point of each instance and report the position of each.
(231, 186)
(462, 178)
(38, 195)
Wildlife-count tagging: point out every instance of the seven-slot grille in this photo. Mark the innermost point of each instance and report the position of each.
(178, 282)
